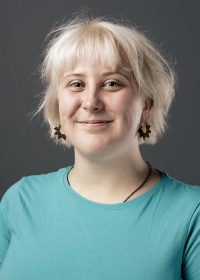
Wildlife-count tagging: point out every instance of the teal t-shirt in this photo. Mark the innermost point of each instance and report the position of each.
(50, 232)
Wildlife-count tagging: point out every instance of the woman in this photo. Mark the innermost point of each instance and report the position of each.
(110, 215)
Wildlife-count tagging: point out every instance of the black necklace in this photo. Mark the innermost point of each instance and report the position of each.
(145, 180)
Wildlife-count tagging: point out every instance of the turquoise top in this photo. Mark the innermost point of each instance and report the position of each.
(50, 232)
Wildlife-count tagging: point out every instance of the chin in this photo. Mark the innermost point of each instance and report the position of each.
(94, 150)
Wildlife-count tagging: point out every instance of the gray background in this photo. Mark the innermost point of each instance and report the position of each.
(25, 147)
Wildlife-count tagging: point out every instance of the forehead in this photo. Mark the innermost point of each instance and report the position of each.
(94, 69)
(82, 68)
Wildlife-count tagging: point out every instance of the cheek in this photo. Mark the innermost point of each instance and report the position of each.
(119, 105)
(125, 104)
(68, 106)
(128, 109)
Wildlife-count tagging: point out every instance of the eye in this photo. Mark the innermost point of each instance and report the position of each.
(113, 85)
(76, 86)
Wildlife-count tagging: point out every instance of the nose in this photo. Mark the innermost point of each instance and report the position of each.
(92, 101)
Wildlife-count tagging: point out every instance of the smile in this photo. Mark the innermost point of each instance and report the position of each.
(95, 124)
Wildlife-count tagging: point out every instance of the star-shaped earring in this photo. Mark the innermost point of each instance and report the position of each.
(58, 133)
(146, 133)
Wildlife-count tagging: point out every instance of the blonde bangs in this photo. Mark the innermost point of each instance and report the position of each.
(96, 45)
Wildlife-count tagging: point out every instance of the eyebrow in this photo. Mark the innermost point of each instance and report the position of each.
(104, 74)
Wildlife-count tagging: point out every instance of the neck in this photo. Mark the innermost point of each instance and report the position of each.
(112, 178)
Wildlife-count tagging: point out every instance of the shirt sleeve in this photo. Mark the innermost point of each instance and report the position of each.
(4, 229)
(191, 257)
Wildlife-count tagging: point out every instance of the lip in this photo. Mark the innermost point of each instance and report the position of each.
(94, 121)
(95, 124)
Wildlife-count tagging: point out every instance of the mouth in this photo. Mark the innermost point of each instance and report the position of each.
(95, 123)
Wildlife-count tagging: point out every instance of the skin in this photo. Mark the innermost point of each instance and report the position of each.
(105, 153)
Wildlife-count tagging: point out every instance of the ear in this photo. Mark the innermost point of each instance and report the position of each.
(148, 105)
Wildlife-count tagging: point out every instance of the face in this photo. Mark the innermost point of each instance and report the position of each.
(100, 110)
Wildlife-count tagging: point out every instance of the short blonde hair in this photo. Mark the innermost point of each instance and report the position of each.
(114, 45)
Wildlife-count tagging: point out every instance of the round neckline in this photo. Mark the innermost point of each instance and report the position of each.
(107, 206)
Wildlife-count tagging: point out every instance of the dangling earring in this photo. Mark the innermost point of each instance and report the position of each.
(147, 130)
(58, 133)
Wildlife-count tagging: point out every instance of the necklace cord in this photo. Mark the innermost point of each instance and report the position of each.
(145, 180)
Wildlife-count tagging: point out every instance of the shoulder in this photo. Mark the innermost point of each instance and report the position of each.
(34, 184)
(180, 194)
(30, 195)
(181, 187)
